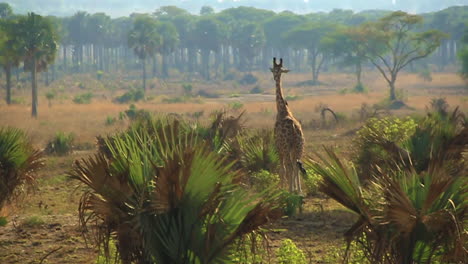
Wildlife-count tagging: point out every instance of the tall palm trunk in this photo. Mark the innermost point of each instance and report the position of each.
(144, 74)
(8, 84)
(34, 87)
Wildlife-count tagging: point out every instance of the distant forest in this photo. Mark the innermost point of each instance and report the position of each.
(211, 44)
(123, 7)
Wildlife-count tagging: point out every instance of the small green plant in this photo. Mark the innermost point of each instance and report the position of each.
(312, 182)
(343, 91)
(292, 97)
(250, 250)
(61, 144)
(187, 89)
(3, 221)
(425, 74)
(293, 203)
(360, 88)
(356, 254)
(256, 90)
(264, 179)
(133, 113)
(234, 95)
(33, 221)
(289, 253)
(50, 95)
(174, 100)
(236, 105)
(99, 75)
(110, 120)
(83, 98)
(133, 95)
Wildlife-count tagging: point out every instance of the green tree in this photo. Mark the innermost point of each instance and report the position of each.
(9, 55)
(36, 40)
(77, 28)
(347, 45)
(5, 10)
(463, 56)
(206, 10)
(310, 37)
(249, 39)
(207, 36)
(392, 44)
(144, 40)
(170, 40)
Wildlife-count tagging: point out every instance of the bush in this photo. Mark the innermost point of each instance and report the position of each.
(248, 79)
(33, 221)
(187, 88)
(293, 203)
(289, 253)
(165, 181)
(99, 75)
(263, 180)
(19, 162)
(425, 74)
(110, 120)
(312, 182)
(83, 98)
(61, 144)
(133, 95)
(360, 88)
(134, 114)
(256, 90)
(50, 95)
(174, 100)
(236, 105)
(292, 97)
(206, 94)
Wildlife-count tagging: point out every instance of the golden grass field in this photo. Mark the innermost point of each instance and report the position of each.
(55, 202)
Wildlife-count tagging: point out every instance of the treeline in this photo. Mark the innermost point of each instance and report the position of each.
(211, 43)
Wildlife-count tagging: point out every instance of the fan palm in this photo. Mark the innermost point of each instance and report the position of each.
(36, 40)
(413, 208)
(165, 197)
(145, 41)
(18, 163)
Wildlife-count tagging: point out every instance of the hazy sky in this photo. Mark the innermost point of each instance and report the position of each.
(126, 7)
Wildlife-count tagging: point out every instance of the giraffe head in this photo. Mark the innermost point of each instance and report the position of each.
(278, 69)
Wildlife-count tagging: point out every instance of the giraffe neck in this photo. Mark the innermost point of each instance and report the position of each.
(282, 108)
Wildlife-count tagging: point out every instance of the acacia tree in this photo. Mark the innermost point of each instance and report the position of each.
(36, 41)
(310, 37)
(144, 40)
(392, 43)
(347, 44)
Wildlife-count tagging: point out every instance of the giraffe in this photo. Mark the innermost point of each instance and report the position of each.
(289, 138)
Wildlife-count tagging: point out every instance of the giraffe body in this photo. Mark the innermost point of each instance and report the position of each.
(289, 138)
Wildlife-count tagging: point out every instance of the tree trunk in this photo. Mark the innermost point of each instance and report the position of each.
(47, 78)
(358, 72)
(64, 58)
(165, 68)
(8, 83)
(206, 64)
(144, 74)
(34, 88)
(392, 90)
(155, 69)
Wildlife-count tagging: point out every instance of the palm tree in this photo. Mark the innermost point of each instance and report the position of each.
(165, 197)
(36, 40)
(18, 162)
(9, 57)
(414, 209)
(144, 40)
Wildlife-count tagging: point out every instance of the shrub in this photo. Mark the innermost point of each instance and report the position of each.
(110, 120)
(263, 180)
(236, 105)
(174, 100)
(83, 98)
(256, 90)
(312, 182)
(99, 75)
(206, 94)
(133, 95)
(3, 221)
(61, 144)
(33, 221)
(135, 114)
(187, 88)
(50, 95)
(161, 178)
(425, 74)
(248, 79)
(293, 203)
(19, 162)
(289, 253)
(292, 97)
(360, 88)
(257, 151)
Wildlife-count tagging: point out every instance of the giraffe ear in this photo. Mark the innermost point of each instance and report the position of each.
(271, 69)
(281, 62)
(274, 61)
